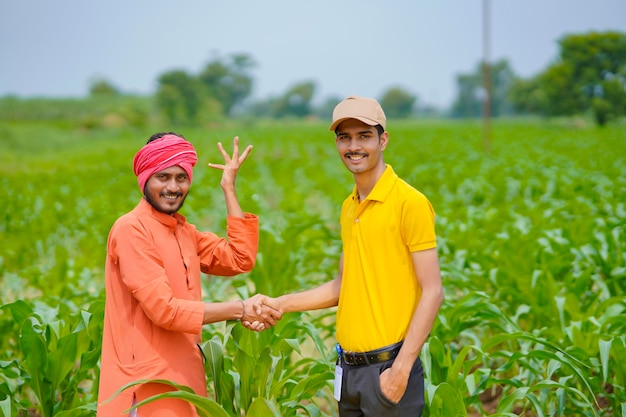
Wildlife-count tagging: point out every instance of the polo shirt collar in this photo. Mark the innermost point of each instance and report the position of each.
(382, 188)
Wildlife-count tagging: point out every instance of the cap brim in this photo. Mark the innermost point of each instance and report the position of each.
(365, 120)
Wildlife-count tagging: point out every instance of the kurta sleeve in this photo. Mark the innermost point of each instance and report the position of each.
(234, 255)
(142, 271)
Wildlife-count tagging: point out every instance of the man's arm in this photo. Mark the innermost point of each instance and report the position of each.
(393, 381)
(324, 296)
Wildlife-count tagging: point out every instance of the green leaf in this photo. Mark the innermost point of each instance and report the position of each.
(63, 359)
(20, 310)
(145, 381)
(310, 385)
(310, 409)
(82, 411)
(315, 336)
(605, 354)
(260, 407)
(214, 363)
(507, 401)
(5, 407)
(204, 406)
(33, 347)
(461, 361)
(447, 402)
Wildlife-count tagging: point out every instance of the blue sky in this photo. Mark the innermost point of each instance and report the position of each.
(56, 48)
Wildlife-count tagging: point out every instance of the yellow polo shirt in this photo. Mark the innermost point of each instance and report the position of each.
(379, 288)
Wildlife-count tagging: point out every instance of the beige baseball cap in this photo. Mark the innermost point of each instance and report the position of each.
(364, 109)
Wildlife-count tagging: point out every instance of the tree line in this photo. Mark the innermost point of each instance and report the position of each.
(588, 77)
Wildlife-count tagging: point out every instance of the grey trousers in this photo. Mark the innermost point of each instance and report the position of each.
(361, 395)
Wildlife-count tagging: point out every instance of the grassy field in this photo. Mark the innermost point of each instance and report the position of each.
(531, 237)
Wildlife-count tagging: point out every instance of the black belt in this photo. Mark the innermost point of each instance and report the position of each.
(383, 354)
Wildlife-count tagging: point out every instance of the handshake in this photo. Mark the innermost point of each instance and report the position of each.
(261, 312)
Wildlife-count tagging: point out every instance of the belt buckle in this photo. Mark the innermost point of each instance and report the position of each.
(350, 357)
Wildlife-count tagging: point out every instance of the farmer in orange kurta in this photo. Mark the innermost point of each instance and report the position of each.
(154, 312)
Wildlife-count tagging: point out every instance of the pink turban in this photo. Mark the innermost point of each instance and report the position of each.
(161, 154)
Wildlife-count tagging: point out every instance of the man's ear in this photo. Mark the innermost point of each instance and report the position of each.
(384, 139)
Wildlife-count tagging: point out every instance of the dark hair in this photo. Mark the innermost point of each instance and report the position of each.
(161, 134)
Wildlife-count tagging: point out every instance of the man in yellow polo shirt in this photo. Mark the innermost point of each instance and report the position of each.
(389, 284)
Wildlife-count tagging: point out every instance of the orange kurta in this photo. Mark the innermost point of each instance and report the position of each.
(153, 314)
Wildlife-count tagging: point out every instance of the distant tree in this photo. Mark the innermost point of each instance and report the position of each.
(611, 103)
(471, 91)
(180, 97)
(590, 75)
(468, 101)
(598, 69)
(561, 97)
(397, 102)
(527, 96)
(101, 87)
(296, 101)
(228, 80)
(502, 76)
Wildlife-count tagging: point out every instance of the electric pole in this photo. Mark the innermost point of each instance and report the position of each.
(487, 99)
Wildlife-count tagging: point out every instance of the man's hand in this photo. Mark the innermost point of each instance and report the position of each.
(231, 166)
(261, 312)
(393, 384)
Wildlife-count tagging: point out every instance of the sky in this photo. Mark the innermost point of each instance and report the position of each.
(58, 48)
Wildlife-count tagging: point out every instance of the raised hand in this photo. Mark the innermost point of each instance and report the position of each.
(231, 165)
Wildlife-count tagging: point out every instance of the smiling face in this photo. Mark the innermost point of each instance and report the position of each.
(360, 146)
(166, 190)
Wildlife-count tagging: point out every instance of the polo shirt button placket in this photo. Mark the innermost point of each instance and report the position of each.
(356, 220)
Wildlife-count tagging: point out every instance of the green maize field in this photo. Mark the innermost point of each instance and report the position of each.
(531, 239)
